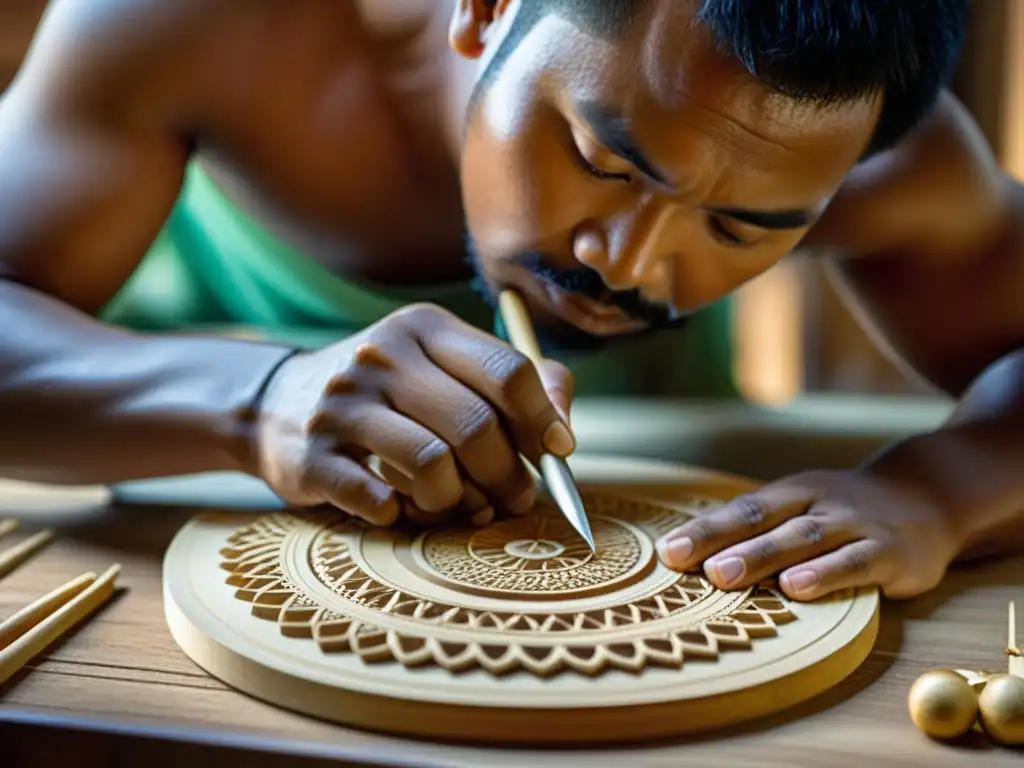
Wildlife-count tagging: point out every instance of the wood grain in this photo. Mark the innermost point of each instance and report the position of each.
(120, 679)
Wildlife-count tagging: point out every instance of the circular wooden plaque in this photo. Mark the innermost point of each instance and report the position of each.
(511, 633)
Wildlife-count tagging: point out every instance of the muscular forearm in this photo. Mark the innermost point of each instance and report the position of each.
(84, 403)
(973, 465)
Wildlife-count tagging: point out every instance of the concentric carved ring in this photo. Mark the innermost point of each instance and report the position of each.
(521, 594)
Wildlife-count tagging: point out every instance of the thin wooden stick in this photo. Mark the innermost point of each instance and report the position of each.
(52, 628)
(7, 526)
(19, 553)
(1016, 660)
(517, 324)
(21, 622)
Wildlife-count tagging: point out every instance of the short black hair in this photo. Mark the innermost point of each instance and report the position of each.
(817, 51)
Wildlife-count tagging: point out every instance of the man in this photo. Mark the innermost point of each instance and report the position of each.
(622, 163)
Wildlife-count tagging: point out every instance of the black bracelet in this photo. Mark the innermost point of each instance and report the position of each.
(257, 400)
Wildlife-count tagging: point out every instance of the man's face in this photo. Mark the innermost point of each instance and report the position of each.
(623, 184)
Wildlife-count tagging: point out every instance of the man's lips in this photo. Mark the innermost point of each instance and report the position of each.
(587, 315)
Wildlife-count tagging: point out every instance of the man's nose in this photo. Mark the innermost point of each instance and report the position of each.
(628, 251)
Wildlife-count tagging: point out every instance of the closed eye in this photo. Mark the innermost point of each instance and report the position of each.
(598, 173)
(723, 234)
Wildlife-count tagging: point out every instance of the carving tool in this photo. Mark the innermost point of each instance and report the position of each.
(554, 469)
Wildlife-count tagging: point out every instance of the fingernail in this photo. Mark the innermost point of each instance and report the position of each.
(558, 439)
(800, 581)
(729, 571)
(484, 517)
(524, 503)
(676, 553)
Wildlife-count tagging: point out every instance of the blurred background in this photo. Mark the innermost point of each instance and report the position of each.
(792, 333)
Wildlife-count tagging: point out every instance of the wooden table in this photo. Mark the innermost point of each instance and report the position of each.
(120, 692)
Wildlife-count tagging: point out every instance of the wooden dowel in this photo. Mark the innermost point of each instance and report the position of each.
(19, 553)
(1016, 660)
(53, 627)
(7, 526)
(32, 614)
(518, 325)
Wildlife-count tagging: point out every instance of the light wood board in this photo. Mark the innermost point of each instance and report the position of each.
(121, 692)
(513, 633)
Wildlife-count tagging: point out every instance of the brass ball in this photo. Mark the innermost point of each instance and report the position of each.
(942, 704)
(1002, 709)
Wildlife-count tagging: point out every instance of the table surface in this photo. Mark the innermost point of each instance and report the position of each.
(122, 673)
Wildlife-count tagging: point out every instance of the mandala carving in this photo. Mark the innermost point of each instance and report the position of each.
(524, 594)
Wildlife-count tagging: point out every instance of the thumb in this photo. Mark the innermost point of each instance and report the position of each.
(560, 385)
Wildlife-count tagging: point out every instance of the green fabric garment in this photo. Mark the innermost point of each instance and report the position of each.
(212, 266)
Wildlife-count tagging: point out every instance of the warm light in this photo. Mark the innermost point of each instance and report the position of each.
(1013, 125)
(769, 362)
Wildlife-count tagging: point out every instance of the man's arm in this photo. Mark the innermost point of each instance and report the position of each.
(18, 23)
(942, 288)
(93, 146)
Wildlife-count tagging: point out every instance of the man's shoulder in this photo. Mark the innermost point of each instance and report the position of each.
(939, 189)
(120, 56)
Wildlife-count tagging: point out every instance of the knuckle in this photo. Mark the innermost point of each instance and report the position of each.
(750, 510)
(507, 368)
(321, 422)
(347, 379)
(856, 560)
(700, 530)
(431, 456)
(477, 421)
(765, 549)
(810, 529)
(416, 316)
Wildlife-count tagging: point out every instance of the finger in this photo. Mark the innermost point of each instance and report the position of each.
(743, 518)
(560, 384)
(476, 507)
(504, 377)
(468, 424)
(352, 488)
(796, 540)
(415, 451)
(403, 484)
(862, 563)
(392, 476)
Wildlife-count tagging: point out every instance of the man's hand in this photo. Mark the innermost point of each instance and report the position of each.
(821, 532)
(442, 407)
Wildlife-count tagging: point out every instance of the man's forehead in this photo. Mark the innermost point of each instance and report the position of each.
(669, 69)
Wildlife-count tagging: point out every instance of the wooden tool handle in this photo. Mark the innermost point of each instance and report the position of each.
(518, 325)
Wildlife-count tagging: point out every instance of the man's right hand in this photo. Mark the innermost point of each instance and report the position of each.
(445, 408)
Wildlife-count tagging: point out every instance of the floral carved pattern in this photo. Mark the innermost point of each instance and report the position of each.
(465, 599)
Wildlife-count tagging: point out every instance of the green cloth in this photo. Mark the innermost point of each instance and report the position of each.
(213, 266)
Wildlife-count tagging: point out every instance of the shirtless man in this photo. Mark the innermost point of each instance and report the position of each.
(316, 163)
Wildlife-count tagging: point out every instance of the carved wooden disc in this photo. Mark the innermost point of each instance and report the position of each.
(514, 632)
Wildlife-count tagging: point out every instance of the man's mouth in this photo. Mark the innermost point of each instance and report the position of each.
(586, 314)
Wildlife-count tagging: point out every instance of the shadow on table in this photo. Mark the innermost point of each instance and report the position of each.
(1004, 571)
(141, 531)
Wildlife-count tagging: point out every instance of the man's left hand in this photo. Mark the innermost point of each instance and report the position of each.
(821, 532)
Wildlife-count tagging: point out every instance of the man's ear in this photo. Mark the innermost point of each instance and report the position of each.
(467, 33)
